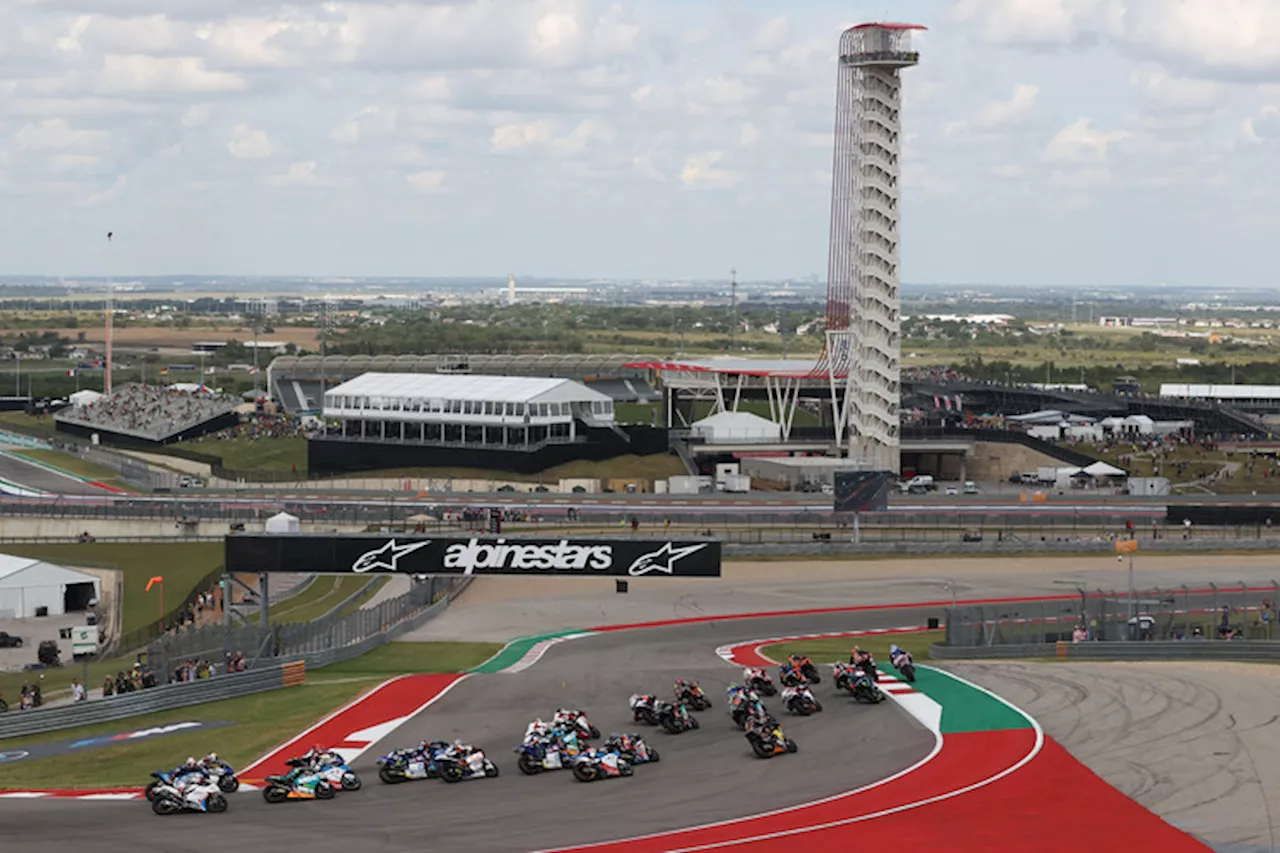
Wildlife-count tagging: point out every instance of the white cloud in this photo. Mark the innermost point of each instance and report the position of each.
(1080, 142)
(773, 35)
(509, 137)
(249, 144)
(172, 74)
(426, 181)
(588, 133)
(1165, 92)
(1262, 127)
(749, 135)
(1031, 23)
(643, 165)
(1000, 115)
(56, 135)
(372, 119)
(197, 115)
(699, 171)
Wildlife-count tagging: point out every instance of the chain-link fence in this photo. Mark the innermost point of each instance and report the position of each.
(1210, 611)
(216, 643)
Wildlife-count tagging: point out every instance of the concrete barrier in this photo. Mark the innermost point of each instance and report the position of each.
(1243, 650)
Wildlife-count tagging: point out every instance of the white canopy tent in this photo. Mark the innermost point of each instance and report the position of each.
(84, 398)
(731, 427)
(1104, 469)
(282, 522)
(29, 587)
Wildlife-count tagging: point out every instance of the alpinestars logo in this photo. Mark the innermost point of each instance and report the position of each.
(497, 556)
(662, 560)
(385, 557)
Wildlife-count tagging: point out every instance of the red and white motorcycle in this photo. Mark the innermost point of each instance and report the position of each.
(800, 700)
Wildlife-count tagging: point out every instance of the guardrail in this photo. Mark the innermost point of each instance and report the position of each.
(163, 698)
(1193, 649)
(819, 548)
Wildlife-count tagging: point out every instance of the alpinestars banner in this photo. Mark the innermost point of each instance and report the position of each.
(416, 554)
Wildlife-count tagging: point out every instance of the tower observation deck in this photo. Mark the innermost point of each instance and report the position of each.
(863, 346)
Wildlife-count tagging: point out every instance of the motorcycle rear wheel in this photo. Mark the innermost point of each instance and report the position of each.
(324, 791)
(761, 750)
(165, 806)
(452, 773)
(391, 777)
(274, 794)
(528, 765)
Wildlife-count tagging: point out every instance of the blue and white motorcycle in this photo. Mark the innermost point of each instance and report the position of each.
(405, 765)
(466, 762)
(167, 798)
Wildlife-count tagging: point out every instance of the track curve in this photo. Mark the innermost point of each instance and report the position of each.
(706, 775)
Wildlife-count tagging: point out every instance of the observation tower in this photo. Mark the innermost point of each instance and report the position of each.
(863, 347)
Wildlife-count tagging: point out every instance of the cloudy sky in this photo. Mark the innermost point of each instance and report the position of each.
(1048, 142)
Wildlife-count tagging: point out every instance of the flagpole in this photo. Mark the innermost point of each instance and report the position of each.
(111, 292)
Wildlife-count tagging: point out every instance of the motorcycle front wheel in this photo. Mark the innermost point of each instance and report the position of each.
(452, 773)
(595, 733)
(761, 750)
(217, 804)
(490, 770)
(391, 777)
(228, 784)
(351, 782)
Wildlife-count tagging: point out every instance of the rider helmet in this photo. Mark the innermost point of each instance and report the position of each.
(893, 648)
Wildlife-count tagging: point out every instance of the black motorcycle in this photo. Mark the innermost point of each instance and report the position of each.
(675, 717)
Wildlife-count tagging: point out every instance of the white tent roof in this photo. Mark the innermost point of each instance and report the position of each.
(497, 389)
(1103, 469)
(282, 522)
(25, 571)
(728, 426)
(1138, 419)
(85, 397)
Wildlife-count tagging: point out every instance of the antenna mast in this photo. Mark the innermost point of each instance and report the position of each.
(111, 310)
(733, 303)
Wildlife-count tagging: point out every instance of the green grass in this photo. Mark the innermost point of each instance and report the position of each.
(400, 658)
(832, 649)
(367, 593)
(79, 467)
(656, 466)
(242, 454)
(41, 425)
(181, 564)
(260, 722)
(308, 607)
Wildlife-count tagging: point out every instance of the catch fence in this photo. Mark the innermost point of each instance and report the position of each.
(1210, 611)
(327, 635)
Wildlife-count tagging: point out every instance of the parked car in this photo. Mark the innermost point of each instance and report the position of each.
(951, 491)
(970, 487)
(8, 641)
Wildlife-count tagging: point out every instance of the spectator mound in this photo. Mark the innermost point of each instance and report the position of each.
(150, 415)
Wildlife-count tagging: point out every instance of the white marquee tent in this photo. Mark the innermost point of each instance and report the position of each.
(282, 522)
(730, 427)
(27, 585)
(85, 397)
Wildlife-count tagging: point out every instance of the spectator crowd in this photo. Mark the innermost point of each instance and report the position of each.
(149, 411)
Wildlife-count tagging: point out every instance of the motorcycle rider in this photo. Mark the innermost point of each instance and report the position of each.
(864, 661)
(899, 657)
(190, 774)
(319, 757)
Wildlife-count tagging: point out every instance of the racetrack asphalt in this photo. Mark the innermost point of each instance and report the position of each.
(42, 479)
(705, 775)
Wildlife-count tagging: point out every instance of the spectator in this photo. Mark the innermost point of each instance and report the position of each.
(108, 687)
(77, 691)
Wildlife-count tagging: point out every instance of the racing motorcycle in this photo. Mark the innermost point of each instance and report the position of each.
(222, 774)
(404, 765)
(600, 764)
(857, 682)
(744, 704)
(546, 749)
(167, 798)
(805, 667)
(643, 708)
(789, 676)
(800, 701)
(767, 739)
(335, 771)
(690, 693)
(904, 664)
(300, 783)
(759, 681)
(632, 748)
(675, 717)
(460, 763)
(575, 720)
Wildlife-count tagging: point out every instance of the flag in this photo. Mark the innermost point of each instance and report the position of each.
(71, 373)
(937, 404)
(959, 404)
(164, 371)
(253, 370)
(947, 402)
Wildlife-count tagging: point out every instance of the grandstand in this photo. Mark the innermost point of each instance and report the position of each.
(145, 415)
(505, 423)
(298, 383)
